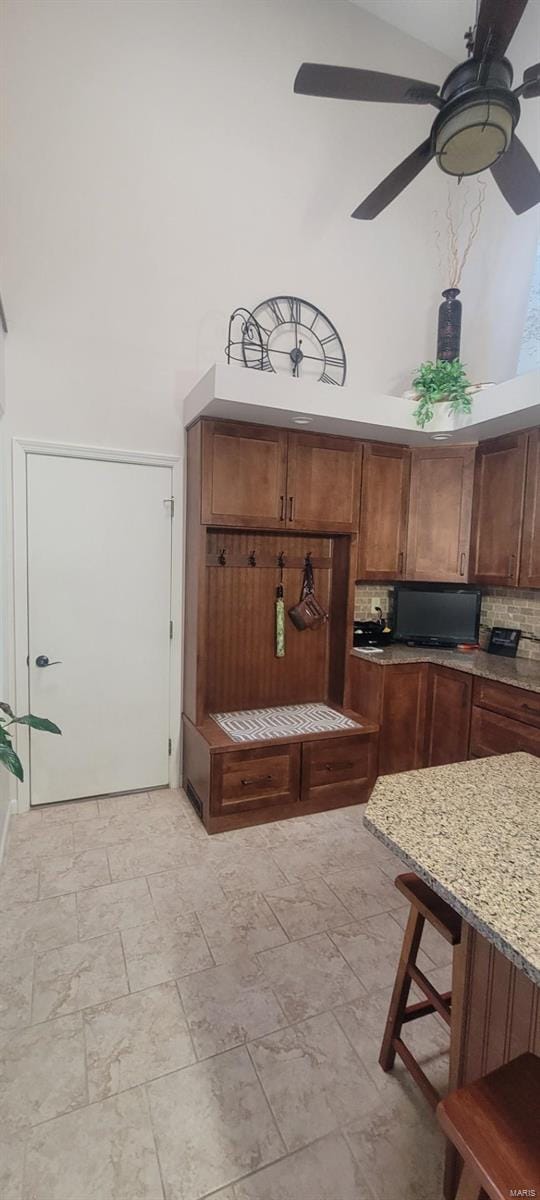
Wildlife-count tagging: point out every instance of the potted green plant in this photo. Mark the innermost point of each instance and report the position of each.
(438, 383)
(8, 756)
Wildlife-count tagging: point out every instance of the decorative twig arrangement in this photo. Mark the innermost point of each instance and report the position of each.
(463, 223)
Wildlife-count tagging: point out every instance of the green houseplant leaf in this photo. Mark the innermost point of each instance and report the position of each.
(8, 756)
(11, 760)
(37, 723)
(436, 382)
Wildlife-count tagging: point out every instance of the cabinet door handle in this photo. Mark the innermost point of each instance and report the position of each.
(256, 779)
(291, 507)
(462, 563)
(400, 563)
(511, 562)
(282, 508)
(338, 766)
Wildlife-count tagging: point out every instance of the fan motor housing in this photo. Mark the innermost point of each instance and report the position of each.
(476, 122)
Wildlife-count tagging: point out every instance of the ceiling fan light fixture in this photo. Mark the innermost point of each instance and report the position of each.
(473, 136)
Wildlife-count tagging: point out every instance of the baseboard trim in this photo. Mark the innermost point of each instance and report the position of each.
(10, 811)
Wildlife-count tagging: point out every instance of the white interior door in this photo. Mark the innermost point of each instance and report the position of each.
(99, 573)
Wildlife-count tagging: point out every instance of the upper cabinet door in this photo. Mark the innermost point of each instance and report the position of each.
(440, 514)
(244, 475)
(383, 512)
(529, 574)
(499, 485)
(323, 483)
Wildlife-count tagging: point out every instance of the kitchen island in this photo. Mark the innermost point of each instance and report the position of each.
(471, 830)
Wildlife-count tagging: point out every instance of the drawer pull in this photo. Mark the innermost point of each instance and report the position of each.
(532, 708)
(256, 779)
(337, 766)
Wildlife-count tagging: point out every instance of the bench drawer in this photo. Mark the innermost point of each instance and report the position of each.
(511, 701)
(344, 766)
(245, 779)
(492, 733)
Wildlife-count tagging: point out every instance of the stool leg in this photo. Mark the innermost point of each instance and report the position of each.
(469, 1187)
(402, 985)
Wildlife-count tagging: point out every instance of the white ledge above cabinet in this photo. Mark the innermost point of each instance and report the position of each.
(243, 394)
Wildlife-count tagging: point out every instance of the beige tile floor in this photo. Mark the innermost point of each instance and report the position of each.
(184, 1016)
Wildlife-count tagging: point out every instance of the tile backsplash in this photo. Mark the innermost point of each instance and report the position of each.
(517, 608)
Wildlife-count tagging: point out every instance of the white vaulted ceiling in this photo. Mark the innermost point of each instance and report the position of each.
(438, 23)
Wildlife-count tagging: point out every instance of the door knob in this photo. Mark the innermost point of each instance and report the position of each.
(43, 661)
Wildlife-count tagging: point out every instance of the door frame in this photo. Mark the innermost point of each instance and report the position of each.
(21, 449)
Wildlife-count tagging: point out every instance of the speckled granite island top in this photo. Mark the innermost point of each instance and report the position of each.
(518, 672)
(472, 831)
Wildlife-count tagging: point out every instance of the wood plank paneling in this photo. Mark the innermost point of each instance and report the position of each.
(494, 1019)
(243, 671)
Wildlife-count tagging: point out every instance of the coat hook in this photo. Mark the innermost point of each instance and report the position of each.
(222, 558)
(252, 560)
(281, 559)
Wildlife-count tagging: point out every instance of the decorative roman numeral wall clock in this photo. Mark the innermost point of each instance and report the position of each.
(290, 337)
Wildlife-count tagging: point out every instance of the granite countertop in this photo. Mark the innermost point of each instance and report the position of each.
(472, 831)
(518, 672)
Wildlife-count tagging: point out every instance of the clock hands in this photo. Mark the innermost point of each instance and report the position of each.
(296, 355)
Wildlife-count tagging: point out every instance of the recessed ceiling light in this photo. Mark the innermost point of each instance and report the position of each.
(441, 437)
(302, 420)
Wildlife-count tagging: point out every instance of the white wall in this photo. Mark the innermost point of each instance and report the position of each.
(160, 171)
(4, 599)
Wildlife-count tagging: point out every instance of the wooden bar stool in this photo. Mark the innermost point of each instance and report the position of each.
(425, 906)
(494, 1124)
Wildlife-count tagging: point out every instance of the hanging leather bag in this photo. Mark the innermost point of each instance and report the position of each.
(308, 613)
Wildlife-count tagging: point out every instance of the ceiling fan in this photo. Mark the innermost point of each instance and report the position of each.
(478, 112)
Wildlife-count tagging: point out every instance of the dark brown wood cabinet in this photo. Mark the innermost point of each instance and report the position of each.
(250, 779)
(244, 475)
(323, 483)
(494, 734)
(430, 715)
(440, 513)
(395, 697)
(384, 506)
(332, 769)
(529, 571)
(260, 477)
(499, 490)
(448, 716)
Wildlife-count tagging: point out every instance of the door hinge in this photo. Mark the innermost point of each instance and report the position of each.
(170, 747)
(170, 630)
(171, 502)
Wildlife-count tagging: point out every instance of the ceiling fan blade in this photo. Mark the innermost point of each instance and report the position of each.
(531, 83)
(353, 83)
(395, 182)
(518, 177)
(496, 25)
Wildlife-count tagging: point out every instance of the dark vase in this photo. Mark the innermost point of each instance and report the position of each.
(449, 326)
